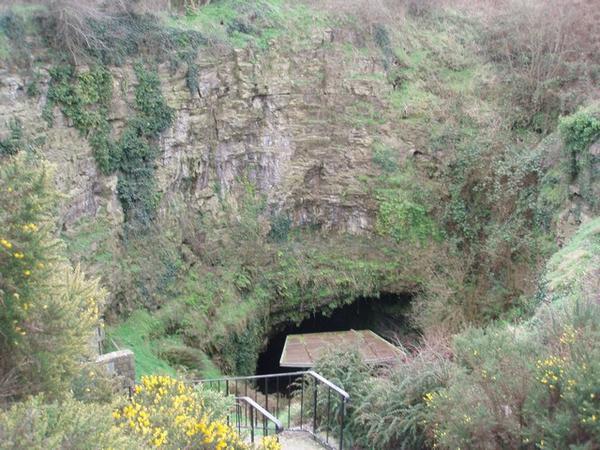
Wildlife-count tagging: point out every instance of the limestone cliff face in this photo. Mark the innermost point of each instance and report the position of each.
(280, 119)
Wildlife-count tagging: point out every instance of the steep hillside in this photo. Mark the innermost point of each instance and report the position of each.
(248, 164)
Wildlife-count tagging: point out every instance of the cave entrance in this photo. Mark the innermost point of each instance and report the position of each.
(385, 315)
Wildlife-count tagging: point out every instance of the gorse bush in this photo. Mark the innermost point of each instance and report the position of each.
(49, 309)
(527, 386)
(38, 424)
(518, 391)
(167, 413)
(531, 385)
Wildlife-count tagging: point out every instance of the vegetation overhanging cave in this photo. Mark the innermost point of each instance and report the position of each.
(385, 315)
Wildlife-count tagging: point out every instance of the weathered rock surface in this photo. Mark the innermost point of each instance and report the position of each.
(281, 120)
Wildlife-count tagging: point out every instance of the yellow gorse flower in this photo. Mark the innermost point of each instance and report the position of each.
(551, 371)
(167, 412)
(30, 228)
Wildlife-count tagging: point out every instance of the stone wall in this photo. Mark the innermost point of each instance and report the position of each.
(120, 364)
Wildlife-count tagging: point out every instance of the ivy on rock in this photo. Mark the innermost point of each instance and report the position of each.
(84, 98)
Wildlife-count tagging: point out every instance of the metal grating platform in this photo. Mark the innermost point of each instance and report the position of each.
(302, 350)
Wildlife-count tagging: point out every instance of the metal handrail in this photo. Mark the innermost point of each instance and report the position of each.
(263, 411)
(329, 384)
(267, 416)
(326, 417)
(251, 377)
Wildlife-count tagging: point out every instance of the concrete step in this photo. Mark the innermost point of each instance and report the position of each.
(298, 440)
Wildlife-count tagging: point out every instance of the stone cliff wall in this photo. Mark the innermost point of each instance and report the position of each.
(281, 120)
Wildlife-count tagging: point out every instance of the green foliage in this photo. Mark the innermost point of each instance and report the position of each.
(13, 30)
(388, 408)
(393, 414)
(579, 131)
(84, 98)
(111, 36)
(49, 309)
(381, 37)
(136, 185)
(191, 77)
(33, 88)
(403, 219)
(531, 385)
(345, 368)
(570, 272)
(522, 391)
(402, 213)
(14, 141)
(280, 227)
(385, 158)
(154, 115)
(69, 424)
(238, 24)
(139, 333)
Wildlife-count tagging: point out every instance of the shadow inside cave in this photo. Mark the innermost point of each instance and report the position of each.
(385, 315)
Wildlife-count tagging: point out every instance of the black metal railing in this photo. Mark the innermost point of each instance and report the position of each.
(300, 401)
(253, 418)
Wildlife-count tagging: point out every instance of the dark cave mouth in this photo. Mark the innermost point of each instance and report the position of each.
(386, 315)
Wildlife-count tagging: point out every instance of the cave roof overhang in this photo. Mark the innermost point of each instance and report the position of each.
(303, 350)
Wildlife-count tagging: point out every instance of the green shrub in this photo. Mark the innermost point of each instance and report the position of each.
(49, 308)
(404, 219)
(280, 227)
(345, 368)
(579, 131)
(154, 115)
(385, 158)
(12, 143)
(394, 414)
(84, 98)
(532, 385)
(490, 390)
(69, 425)
(137, 151)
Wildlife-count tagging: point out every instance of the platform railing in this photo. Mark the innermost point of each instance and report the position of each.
(253, 418)
(301, 401)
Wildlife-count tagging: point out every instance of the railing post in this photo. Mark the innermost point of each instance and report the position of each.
(302, 404)
(227, 395)
(327, 425)
(267, 394)
(252, 425)
(342, 412)
(288, 394)
(315, 409)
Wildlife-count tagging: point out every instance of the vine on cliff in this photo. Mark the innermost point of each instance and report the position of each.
(136, 187)
(85, 98)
